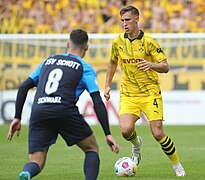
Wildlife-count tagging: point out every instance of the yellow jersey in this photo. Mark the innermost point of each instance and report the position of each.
(136, 82)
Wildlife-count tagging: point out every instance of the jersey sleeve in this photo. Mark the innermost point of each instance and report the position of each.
(155, 51)
(114, 51)
(88, 81)
(36, 73)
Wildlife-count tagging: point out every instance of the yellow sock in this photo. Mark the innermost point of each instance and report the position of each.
(133, 138)
(168, 147)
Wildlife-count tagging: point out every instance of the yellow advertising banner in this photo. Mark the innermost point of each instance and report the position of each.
(19, 57)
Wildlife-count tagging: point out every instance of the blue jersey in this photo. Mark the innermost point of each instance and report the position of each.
(60, 80)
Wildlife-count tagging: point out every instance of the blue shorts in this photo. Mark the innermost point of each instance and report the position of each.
(43, 133)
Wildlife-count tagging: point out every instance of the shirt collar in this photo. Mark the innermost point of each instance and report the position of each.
(141, 34)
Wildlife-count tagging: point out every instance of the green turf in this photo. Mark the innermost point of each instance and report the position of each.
(65, 163)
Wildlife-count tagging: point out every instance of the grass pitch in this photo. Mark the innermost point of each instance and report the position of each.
(65, 163)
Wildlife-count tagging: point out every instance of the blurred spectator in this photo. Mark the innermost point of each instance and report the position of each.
(173, 6)
(89, 21)
(176, 22)
(61, 22)
(110, 16)
(160, 19)
(8, 18)
(201, 22)
(99, 16)
(43, 25)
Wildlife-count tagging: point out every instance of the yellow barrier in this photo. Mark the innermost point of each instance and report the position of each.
(18, 58)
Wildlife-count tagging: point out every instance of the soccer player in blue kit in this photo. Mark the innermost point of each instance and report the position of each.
(60, 80)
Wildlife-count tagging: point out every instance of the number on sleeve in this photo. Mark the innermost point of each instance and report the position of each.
(53, 81)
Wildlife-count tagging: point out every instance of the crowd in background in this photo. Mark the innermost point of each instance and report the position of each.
(99, 16)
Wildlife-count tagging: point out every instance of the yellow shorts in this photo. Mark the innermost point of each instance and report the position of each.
(151, 106)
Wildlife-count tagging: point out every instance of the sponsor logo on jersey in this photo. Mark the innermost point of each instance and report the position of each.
(130, 61)
(62, 62)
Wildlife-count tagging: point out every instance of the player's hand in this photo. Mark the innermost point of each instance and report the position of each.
(15, 126)
(143, 64)
(107, 93)
(112, 143)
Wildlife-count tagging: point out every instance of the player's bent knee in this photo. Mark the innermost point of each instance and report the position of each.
(158, 135)
(89, 144)
(126, 132)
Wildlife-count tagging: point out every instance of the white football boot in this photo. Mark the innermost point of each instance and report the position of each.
(179, 170)
(136, 157)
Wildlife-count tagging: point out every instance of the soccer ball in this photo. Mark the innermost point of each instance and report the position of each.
(125, 166)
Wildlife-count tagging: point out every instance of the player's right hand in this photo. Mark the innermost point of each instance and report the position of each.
(15, 126)
(112, 143)
(107, 93)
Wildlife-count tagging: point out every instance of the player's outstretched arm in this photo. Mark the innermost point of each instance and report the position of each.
(102, 115)
(21, 96)
(112, 143)
(15, 126)
(112, 66)
(100, 111)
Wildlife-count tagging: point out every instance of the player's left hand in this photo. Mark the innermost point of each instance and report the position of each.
(15, 126)
(143, 64)
(107, 93)
(112, 143)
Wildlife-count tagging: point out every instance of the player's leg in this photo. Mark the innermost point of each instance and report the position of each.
(34, 166)
(41, 136)
(165, 141)
(127, 128)
(75, 130)
(154, 112)
(92, 160)
(129, 113)
(167, 146)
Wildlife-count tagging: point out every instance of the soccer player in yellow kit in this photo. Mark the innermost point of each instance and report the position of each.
(140, 58)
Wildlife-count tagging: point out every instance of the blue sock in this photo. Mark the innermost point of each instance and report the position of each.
(91, 165)
(32, 167)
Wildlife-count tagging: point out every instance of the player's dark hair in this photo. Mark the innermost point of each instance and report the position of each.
(79, 37)
(131, 9)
